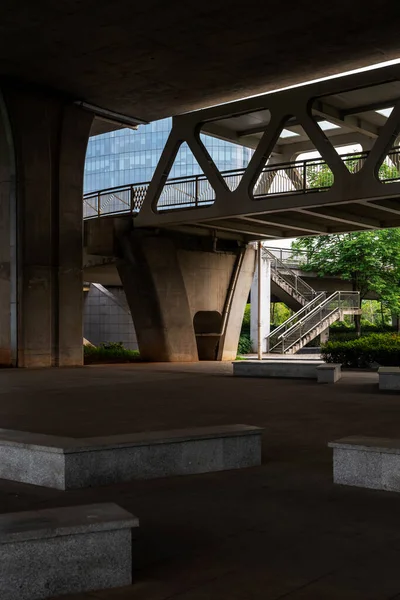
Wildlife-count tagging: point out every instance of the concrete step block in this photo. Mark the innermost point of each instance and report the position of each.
(57, 551)
(367, 462)
(329, 373)
(389, 378)
(284, 368)
(67, 463)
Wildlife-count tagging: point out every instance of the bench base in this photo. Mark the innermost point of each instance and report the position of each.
(283, 368)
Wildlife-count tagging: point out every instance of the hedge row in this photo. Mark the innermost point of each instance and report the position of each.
(109, 353)
(375, 349)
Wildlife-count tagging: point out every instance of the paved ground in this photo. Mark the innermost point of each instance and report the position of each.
(277, 531)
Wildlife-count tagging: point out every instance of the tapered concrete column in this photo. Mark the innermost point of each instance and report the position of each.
(42, 214)
(187, 297)
(236, 299)
(156, 294)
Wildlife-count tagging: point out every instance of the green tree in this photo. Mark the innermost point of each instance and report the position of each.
(320, 176)
(279, 313)
(369, 259)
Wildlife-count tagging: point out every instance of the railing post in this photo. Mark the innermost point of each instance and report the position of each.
(196, 191)
(98, 204)
(304, 176)
(259, 312)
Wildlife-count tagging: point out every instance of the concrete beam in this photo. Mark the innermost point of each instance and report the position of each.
(335, 115)
(390, 206)
(293, 224)
(247, 228)
(342, 216)
(341, 139)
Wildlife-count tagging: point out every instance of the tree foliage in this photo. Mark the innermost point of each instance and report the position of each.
(320, 176)
(369, 259)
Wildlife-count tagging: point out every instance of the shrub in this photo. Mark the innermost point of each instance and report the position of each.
(381, 348)
(244, 346)
(109, 352)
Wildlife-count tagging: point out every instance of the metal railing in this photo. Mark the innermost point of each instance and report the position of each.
(335, 305)
(298, 177)
(274, 338)
(289, 256)
(284, 274)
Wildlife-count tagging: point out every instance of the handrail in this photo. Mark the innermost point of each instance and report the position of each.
(284, 272)
(291, 178)
(287, 255)
(285, 332)
(289, 270)
(296, 314)
(326, 301)
(304, 333)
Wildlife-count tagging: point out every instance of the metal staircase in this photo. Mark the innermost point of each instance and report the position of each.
(317, 310)
(287, 285)
(311, 320)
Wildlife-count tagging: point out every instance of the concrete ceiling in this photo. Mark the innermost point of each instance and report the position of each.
(155, 58)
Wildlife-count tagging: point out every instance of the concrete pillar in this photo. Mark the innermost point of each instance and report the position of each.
(187, 300)
(41, 293)
(265, 325)
(242, 277)
(156, 294)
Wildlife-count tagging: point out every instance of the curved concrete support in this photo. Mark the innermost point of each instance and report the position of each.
(187, 298)
(155, 290)
(49, 137)
(242, 277)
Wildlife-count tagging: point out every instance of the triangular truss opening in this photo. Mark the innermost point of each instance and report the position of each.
(232, 141)
(286, 171)
(182, 191)
(389, 170)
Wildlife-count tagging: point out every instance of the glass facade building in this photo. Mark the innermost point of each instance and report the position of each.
(131, 156)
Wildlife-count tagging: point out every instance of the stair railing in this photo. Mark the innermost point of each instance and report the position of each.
(295, 282)
(338, 302)
(275, 335)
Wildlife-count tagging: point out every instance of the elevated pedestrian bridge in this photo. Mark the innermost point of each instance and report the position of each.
(277, 181)
(278, 195)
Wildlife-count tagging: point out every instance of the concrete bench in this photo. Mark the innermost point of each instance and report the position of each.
(367, 462)
(389, 378)
(66, 463)
(57, 551)
(329, 373)
(283, 368)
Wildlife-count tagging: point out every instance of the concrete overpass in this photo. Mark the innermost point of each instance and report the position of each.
(88, 66)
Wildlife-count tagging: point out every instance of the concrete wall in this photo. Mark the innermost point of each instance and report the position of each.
(107, 318)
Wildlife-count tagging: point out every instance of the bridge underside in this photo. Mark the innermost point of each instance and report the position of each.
(277, 195)
(156, 59)
(301, 222)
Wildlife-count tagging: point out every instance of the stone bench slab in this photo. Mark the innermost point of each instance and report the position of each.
(285, 369)
(66, 463)
(67, 550)
(389, 378)
(329, 373)
(367, 462)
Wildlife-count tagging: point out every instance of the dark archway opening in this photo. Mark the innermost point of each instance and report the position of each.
(207, 327)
